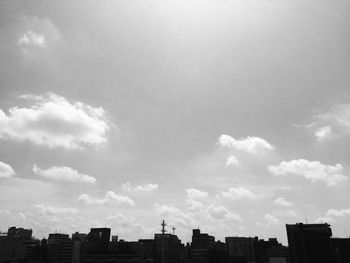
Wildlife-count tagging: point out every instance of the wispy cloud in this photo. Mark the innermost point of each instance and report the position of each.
(238, 193)
(6, 170)
(53, 210)
(139, 188)
(31, 38)
(283, 202)
(195, 193)
(331, 123)
(271, 220)
(222, 213)
(252, 145)
(338, 212)
(109, 198)
(63, 173)
(232, 160)
(311, 170)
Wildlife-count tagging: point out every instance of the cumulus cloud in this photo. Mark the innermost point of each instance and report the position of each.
(238, 193)
(252, 145)
(109, 198)
(323, 133)
(338, 213)
(63, 173)
(194, 205)
(222, 213)
(331, 123)
(232, 160)
(128, 227)
(139, 188)
(321, 220)
(173, 215)
(283, 202)
(6, 170)
(311, 170)
(53, 121)
(195, 193)
(271, 219)
(31, 38)
(53, 210)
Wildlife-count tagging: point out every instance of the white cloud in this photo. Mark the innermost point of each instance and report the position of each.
(195, 193)
(323, 133)
(109, 198)
(331, 123)
(5, 212)
(325, 220)
(238, 193)
(271, 219)
(283, 202)
(221, 213)
(291, 213)
(338, 213)
(194, 205)
(140, 188)
(63, 173)
(311, 170)
(52, 210)
(173, 215)
(31, 38)
(55, 122)
(251, 145)
(232, 160)
(6, 170)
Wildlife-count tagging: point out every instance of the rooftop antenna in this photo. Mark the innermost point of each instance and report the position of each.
(306, 218)
(163, 227)
(163, 232)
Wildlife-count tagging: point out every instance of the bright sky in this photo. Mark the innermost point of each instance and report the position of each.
(233, 116)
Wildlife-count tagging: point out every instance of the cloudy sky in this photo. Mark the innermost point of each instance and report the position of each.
(231, 116)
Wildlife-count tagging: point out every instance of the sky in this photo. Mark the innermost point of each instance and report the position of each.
(231, 116)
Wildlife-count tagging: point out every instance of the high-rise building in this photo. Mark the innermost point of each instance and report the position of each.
(310, 243)
(168, 248)
(97, 241)
(17, 244)
(59, 248)
(241, 247)
(202, 247)
(341, 249)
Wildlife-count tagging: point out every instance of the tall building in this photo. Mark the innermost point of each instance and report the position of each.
(202, 247)
(59, 248)
(168, 248)
(241, 247)
(310, 243)
(97, 241)
(17, 244)
(341, 249)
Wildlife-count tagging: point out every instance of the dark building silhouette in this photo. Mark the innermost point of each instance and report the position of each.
(97, 241)
(310, 243)
(241, 248)
(168, 248)
(270, 251)
(17, 245)
(202, 247)
(341, 249)
(61, 249)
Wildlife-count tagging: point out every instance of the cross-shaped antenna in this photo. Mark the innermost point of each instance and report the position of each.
(163, 227)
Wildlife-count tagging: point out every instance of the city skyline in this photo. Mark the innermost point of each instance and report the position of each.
(230, 116)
